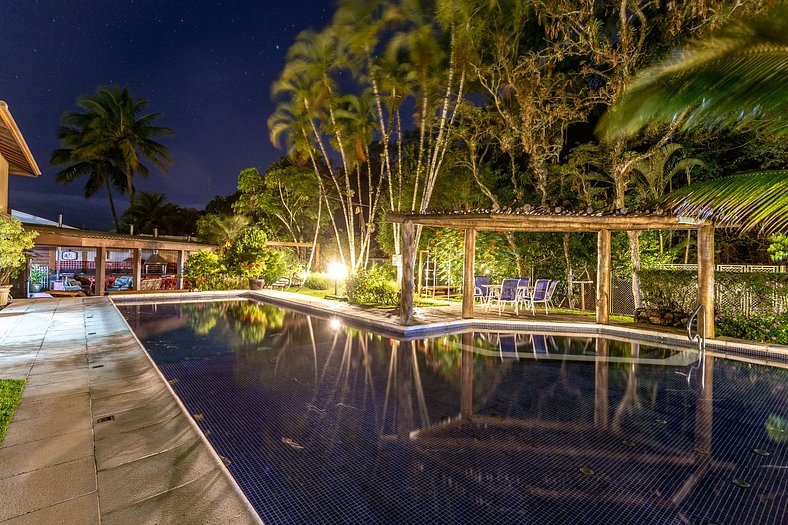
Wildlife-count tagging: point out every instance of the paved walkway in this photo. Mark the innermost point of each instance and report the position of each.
(99, 437)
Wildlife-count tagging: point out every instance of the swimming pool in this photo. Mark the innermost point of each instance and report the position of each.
(323, 423)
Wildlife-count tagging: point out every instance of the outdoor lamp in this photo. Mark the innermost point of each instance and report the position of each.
(337, 271)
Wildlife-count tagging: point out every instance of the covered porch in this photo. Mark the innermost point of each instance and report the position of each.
(96, 253)
(603, 224)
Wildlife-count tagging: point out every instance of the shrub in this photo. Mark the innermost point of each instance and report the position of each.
(249, 257)
(375, 286)
(14, 240)
(769, 327)
(204, 270)
(669, 290)
(319, 281)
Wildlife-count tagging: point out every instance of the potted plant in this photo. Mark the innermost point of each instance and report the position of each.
(14, 240)
(38, 277)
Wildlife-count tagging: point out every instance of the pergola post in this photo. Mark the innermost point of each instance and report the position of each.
(603, 277)
(706, 274)
(408, 236)
(136, 268)
(467, 275)
(101, 258)
(179, 269)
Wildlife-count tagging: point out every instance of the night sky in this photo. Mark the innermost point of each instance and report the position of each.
(206, 66)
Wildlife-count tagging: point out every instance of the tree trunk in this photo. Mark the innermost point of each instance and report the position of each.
(634, 253)
(317, 231)
(112, 205)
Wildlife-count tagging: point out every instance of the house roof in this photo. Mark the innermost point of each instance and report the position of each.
(54, 236)
(27, 218)
(13, 146)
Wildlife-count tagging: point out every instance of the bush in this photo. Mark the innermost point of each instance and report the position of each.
(204, 270)
(376, 286)
(319, 281)
(14, 240)
(249, 257)
(669, 290)
(769, 328)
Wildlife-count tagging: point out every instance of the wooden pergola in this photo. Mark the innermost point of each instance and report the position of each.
(600, 223)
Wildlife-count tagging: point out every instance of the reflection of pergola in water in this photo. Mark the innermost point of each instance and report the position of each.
(601, 441)
(598, 223)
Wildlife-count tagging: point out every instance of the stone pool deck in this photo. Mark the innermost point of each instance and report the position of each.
(64, 461)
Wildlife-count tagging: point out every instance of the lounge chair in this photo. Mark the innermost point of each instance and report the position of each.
(508, 294)
(282, 282)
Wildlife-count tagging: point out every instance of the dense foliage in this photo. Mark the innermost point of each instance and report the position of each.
(764, 319)
(247, 257)
(376, 286)
(14, 241)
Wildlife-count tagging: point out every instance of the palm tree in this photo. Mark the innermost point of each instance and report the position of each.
(221, 230)
(149, 211)
(100, 169)
(734, 78)
(112, 128)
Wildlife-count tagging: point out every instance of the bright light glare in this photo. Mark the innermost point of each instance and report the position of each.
(336, 324)
(337, 270)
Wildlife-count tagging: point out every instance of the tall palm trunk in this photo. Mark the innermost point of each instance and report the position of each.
(112, 203)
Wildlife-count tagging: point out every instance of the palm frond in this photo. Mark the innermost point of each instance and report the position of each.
(748, 201)
(736, 78)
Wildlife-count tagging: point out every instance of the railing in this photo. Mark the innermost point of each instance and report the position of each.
(700, 337)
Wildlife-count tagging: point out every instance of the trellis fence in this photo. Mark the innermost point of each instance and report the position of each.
(742, 289)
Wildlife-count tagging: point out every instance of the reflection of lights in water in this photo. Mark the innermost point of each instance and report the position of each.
(336, 324)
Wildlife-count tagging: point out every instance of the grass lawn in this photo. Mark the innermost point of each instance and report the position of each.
(310, 292)
(10, 396)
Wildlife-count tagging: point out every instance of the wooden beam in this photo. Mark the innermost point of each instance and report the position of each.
(535, 222)
(603, 277)
(101, 262)
(181, 260)
(136, 268)
(706, 275)
(467, 276)
(408, 235)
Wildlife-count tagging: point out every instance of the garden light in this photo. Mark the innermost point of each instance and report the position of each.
(337, 271)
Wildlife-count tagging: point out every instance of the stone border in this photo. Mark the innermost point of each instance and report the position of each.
(192, 422)
(365, 318)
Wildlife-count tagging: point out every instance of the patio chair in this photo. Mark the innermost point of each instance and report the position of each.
(523, 284)
(508, 294)
(539, 295)
(480, 290)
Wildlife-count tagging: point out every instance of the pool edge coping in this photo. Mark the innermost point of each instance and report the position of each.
(215, 455)
(315, 306)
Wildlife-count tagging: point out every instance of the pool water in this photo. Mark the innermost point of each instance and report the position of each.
(322, 423)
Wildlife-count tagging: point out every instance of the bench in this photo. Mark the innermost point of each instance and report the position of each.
(282, 282)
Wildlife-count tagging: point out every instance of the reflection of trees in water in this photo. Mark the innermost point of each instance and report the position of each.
(244, 322)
